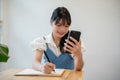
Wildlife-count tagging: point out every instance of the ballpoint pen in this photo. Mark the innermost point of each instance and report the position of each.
(48, 58)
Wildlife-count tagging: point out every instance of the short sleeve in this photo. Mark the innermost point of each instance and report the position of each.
(83, 47)
(38, 43)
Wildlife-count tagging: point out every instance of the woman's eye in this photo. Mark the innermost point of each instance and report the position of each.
(58, 25)
(66, 26)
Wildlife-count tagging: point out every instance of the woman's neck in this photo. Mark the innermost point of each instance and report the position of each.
(56, 40)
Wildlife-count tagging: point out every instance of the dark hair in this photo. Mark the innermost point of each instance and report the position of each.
(58, 14)
(61, 13)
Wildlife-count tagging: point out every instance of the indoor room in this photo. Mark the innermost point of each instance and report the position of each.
(22, 21)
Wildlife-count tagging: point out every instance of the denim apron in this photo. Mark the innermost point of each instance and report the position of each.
(64, 60)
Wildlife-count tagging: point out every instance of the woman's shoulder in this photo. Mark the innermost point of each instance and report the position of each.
(38, 39)
(38, 43)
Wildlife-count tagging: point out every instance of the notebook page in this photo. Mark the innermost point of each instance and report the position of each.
(30, 71)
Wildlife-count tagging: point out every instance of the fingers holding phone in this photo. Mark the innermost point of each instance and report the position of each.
(72, 42)
(72, 46)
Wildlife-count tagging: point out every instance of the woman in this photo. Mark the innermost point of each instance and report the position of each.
(60, 22)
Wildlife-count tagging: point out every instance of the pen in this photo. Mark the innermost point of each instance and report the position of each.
(47, 58)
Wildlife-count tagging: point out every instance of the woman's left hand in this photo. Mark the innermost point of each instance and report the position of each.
(73, 46)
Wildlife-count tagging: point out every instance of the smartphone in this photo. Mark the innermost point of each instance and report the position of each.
(75, 34)
(71, 33)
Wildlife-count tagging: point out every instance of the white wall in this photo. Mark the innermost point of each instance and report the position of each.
(98, 20)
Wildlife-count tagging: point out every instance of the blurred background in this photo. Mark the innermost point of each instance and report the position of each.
(98, 20)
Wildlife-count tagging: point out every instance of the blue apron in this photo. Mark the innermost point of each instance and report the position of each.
(64, 60)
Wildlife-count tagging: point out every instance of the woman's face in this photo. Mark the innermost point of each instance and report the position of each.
(59, 30)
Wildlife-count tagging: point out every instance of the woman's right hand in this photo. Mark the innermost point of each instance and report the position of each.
(48, 68)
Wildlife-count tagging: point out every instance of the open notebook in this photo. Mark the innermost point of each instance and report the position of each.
(30, 71)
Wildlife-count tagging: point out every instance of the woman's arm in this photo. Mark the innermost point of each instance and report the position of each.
(46, 68)
(78, 62)
(37, 60)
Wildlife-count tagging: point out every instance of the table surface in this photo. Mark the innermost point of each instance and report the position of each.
(67, 75)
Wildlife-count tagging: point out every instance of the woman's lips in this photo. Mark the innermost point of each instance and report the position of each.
(61, 33)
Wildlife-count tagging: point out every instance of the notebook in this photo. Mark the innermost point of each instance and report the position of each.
(30, 71)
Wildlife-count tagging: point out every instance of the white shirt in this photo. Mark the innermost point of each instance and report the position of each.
(40, 43)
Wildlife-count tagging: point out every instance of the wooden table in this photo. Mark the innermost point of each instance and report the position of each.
(67, 75)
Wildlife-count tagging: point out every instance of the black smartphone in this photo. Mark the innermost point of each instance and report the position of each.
(71, 33)
(75, 34)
